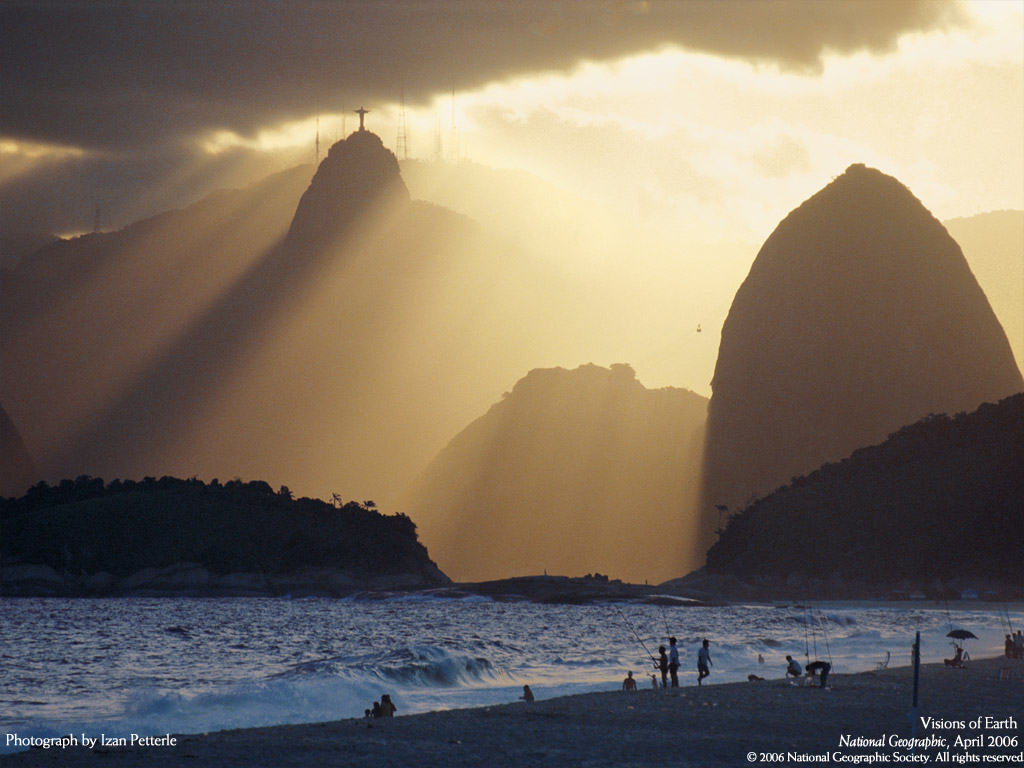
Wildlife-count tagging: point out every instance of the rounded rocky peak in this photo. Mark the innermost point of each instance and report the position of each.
(358, 172)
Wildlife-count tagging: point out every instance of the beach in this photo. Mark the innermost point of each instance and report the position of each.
(859, 719)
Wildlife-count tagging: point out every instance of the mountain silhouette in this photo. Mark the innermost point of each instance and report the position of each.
(574, 471)
(939, 499)
(356, 174)
(859, 315)
(17, 472)
(326, 334)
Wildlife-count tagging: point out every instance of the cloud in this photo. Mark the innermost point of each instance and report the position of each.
(110, 74)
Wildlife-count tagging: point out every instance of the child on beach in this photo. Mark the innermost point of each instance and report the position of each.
(629, 684)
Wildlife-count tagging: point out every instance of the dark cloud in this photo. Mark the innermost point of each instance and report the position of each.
(108, 74)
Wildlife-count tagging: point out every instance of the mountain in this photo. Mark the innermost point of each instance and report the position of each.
(325, 334)
(573, 471)
(938, 500)
(993, 244)
(17, 472)
(859, 315)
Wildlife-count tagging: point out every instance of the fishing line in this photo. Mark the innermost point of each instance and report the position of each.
(635, 634)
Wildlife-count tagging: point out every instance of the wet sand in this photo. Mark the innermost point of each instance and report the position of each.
(708, 726)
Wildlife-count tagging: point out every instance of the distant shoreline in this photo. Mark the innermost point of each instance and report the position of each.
(690, 726)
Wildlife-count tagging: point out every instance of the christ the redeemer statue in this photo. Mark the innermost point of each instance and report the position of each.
(361, 112)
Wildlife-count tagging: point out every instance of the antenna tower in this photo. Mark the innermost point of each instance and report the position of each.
(453, 143)
(402, 142)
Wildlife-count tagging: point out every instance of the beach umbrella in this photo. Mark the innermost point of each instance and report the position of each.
(961, 634)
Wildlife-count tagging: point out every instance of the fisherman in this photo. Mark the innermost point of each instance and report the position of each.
(662, 664)
(794, 667)
(673, 662)
(703, 661)
(823, 666)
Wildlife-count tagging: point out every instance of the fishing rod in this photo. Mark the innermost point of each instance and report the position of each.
(635, 634)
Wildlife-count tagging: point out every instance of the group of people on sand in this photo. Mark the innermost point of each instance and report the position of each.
(668, 664)
(819, 669)
(1015, 645)
(383, 708)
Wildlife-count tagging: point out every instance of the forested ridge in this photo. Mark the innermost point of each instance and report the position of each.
(940, 499)
(88, 526)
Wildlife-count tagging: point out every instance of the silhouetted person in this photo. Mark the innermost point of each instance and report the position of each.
(673, 662)
(377, 711)
(629, 684)
(957, 660)
(794, 667)
(527, 694)
(387, 708)
(1008, 648)
(663, 666)
(704, 662)
(823, 666)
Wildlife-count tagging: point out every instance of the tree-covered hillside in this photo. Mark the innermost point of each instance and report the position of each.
(87, 526)
(940, 499)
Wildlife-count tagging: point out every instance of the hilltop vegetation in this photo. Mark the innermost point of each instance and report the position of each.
(87, 526)
(941, 499)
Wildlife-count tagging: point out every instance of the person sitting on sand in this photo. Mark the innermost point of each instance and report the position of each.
(957, 660)
(814, 667)
(703, 662)
(629, 684)
(387, 708)
(527, 694)
(662, 664)
(794, 667)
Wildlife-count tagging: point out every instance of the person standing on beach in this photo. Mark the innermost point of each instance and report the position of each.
(662, 664)
(629, 684)
(704, 662)
(673, 662)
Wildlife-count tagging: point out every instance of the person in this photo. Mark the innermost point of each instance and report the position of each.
(387, 708)
(673, 662)
(527, 694)
(703, 661)
(654, 682)
(1018, 644)
(376, 711)
(823, 666)
(760, 659)
(794, 667)
(1009, 648)
(958, 658)
(629, 684)
(662, 664)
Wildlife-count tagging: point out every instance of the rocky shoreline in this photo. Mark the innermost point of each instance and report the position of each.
(696, 589)
(195, 580)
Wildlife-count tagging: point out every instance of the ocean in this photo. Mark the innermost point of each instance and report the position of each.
(188, 665)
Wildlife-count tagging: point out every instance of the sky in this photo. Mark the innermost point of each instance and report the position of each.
(709, 119)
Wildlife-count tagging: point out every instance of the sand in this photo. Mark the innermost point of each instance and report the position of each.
(707, 726)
